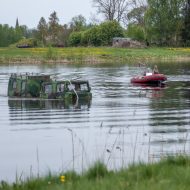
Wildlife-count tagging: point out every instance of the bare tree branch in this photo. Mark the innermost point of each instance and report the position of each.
(112, 9)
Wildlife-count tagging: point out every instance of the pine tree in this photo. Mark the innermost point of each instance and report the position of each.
(17, 23)
(54, 27)
(42, 30)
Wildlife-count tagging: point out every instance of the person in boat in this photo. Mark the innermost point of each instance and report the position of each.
(155, 70)
(147, 72)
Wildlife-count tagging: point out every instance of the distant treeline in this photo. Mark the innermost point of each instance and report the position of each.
(161, 23)
(10, 35)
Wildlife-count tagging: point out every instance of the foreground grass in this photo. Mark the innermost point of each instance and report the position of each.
(171, 173)
(91, 55)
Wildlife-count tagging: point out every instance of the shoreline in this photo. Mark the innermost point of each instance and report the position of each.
(92, 55)
(28, 61)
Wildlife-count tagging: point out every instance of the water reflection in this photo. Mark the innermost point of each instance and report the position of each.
(46, 114)
(149, 90)
(170, 120)
(27, 104)
(153, 86)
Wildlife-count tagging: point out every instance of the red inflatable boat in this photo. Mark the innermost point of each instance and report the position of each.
(149, 78)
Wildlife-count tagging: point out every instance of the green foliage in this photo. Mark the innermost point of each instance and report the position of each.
(71, 176)
(78, 23)
(4, 185)
(163, 21)
(101, 35)
(30, 42)
(54, 28)
(53, 22)
(52, 33)
(177, 161)
(90, 37)
(98, 170)
(185, 33)
(135, 32)
(9, 35)
(42, 30)
(171, 173)
(108, 30)
(75, 39)
(136, 15)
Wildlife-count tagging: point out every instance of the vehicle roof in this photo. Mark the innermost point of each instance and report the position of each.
(68, 82)
(29, 75)
(45, 77)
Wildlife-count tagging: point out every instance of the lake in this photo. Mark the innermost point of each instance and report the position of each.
(122, 124)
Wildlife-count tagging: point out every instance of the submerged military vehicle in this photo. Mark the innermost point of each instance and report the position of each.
(44, 87)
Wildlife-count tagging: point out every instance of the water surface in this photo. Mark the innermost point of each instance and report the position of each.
(122, 124)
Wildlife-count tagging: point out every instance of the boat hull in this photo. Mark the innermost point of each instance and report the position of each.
(151, 79)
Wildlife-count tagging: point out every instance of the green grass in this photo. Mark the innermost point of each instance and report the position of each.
(91, 55)
(171, 173)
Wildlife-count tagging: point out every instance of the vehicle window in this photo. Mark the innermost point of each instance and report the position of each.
(70, 87)
(60, 87)
(84, 87)
(23, 85)
(77, 87)
(14, 84)
(48, 88)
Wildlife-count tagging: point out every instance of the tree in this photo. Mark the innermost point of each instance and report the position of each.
(61, 34)
(17, 23)
(136, 32)
(163, 21)
(66, 31)
(18, 33)
(9, 35)
(186, 25)
(112, 9)
(42, 30)
(54, 27)
(136, 15)
(78, 23)
(25, 31)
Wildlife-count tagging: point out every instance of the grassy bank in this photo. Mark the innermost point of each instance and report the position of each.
(91, 55)
(171, 173)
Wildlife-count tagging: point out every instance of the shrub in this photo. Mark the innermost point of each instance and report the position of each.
(101, 35)
(25, 43)
(75, 39)
(108, 30)
(135, 32)
(90, 37)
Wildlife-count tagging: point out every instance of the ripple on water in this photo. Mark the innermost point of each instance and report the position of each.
(122, 122)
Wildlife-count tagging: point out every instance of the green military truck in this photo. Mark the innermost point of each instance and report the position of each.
(43, 87)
